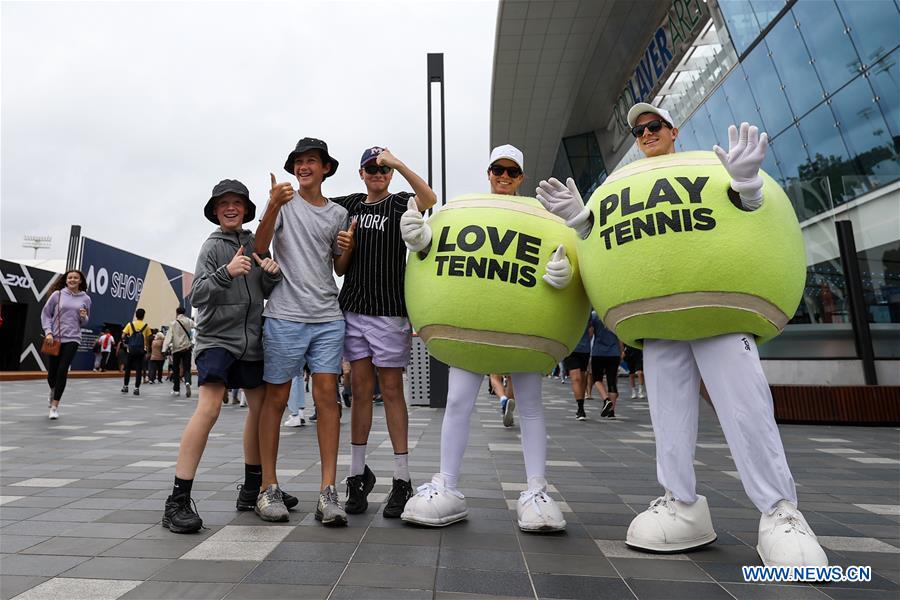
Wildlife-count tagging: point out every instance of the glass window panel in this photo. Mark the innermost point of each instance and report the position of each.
(766, 88)
(741, 22)
(765, 10)
(835, 59)
(808, 198)
(703, 131)
(720, 116)
(828, 154)
(866, 136)
(794, 66)
(885, 80)
(880, 270)
(770, 165)
(739, 98)
(874, 26)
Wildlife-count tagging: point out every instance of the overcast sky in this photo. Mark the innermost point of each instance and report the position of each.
(121, 116)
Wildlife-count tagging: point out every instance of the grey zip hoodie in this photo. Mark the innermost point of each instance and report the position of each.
(229, 310)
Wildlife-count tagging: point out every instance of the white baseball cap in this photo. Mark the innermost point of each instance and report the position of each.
(510, 152)
(642, 107)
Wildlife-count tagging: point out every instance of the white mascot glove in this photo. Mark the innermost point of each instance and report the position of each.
(565, 202)
(413, 229)
(746, 152)
(558, 270)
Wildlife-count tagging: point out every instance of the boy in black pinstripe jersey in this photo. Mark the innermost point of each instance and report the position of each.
(377, 328)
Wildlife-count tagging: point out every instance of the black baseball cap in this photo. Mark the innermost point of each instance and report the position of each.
(229, 186)
(305, 145)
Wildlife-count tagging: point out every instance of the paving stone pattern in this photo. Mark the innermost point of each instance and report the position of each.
(81, 500)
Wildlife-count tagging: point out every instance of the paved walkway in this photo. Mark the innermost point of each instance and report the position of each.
(82, 498)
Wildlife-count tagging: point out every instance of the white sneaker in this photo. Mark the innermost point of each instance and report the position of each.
(786, 540)
(54, 413)
(641, 392)
(670, 525)
(243, 399)
(537, 511)
(175, 394)
(435, 505)
(634, 393)
(293, 421)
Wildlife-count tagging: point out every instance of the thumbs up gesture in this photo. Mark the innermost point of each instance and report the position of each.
(281, 193)
(558, 270)
(267, 264)
(413, 229)
(346, 240)
(239, 265)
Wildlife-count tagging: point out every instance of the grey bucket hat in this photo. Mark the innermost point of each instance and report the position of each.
(229, 186)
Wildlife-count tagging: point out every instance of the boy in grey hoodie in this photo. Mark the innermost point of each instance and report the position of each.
(228, 291)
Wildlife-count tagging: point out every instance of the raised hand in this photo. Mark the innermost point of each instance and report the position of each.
(267, 264)
(746, 152)
(387, 159)
(346, 240)
(281, 193)
(413, 229)
(558, 271)
(240, 265)
(565, 202)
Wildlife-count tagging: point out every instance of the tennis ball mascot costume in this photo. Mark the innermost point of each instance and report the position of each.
(722, 264)
(493, 292)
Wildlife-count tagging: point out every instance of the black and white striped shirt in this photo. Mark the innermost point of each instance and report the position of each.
(373, 284)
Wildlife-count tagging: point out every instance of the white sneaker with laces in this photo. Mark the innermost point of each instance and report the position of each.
(786, 540)
(435, 505)
(537, 511)
(670, 525)
(54, 413)
(293, 421)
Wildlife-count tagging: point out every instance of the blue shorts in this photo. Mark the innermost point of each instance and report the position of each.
(288, 345)
(218, 365)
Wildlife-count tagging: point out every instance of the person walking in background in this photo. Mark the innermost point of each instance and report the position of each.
(297, 401)
(606, 352)
(67, 309)
(634, 358)
(107, 344)
(157, 358)
(504, 390)
(576, 364)
(179, 342)
(136, 339)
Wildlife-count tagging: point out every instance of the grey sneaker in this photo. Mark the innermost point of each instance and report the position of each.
(329, 510)
(270, 504)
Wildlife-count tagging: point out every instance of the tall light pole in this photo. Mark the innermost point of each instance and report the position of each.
(436, 75)
(37, 242)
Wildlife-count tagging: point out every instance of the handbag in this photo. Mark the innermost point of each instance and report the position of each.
(52, 348)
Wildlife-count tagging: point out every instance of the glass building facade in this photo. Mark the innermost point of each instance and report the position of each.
(822, 78)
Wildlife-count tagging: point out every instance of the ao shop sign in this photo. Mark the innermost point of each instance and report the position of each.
(671, 40)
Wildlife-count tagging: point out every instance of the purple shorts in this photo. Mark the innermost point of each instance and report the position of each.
(386, 339)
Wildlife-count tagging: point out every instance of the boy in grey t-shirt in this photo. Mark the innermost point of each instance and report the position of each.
(304, 324)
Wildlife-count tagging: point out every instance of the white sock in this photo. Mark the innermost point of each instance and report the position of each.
(401, 466)
(357, 459)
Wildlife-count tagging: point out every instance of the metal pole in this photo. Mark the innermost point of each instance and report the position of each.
(74, 243)
(443, 144)
(859, 317)
(428, 118)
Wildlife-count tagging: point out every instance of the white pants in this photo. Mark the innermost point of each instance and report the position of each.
(730, 368)
(462, 389)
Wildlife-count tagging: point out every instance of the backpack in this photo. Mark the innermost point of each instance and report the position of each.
(135, 341)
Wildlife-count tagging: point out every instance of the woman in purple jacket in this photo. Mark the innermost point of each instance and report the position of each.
(67, 308)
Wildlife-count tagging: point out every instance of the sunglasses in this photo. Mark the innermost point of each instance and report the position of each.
(654, 126)
(372, 169)
(498, 170)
